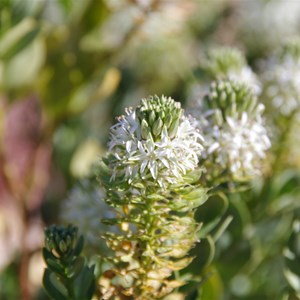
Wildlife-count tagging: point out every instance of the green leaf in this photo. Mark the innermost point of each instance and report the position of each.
(285, 183)
(112, 221)
(54, 288)
(47, 254)
(55, 266)
(89, 281)
(22, 44)
(192, 176)
(204, 253)
(293, 279)
(85, 284)
(155, 197)
(15, 35)
(211, 212)
(212, 286)
(75, 268)
(79, 246)
(197, 196)
(294, 266)
(221, 229)
(23, 68)
(294, 241)
(66, 5)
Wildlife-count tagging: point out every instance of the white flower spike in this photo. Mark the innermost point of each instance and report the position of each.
(155, 142)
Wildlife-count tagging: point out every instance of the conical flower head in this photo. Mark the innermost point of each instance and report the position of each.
(236, 139)
(154, 143)
(221, 61)
(230, 63)
(282, 79)
(85, 208)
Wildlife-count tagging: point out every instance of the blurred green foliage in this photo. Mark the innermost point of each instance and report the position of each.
(84, 61)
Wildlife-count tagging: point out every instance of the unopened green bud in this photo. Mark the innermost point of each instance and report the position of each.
(49, 244)
(144, 103)
(232, 109)
(152, 117)
(144, 129)
(223, 97)
(60, 239)
(251, 105)
(218, 118)
(157, 127)
(63, 246)
(168, 121)
(69, 241)
(231, 98)
(221, 86)
(220, 61)
(173, 128)
(162, 115)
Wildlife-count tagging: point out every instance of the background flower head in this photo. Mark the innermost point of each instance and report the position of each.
(281, 79)
(236, 138)
(230, 63)
(85, 208)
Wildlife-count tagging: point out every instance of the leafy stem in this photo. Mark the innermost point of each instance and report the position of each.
(67, 276)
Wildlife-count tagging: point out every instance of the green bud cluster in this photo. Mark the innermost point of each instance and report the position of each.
(60, 240)
(154, 113)
(231, 99)
(222, 60)
(281, 90)
(234, 132)
(291, 49)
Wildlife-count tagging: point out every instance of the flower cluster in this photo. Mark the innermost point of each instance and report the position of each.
(85, 208)
(229, 63)
(282, 79)
(236, 139)
(241, 146)
(223, 63)
(264, 24)
(154, 142)
(151, 177)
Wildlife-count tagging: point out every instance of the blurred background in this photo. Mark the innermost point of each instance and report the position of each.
(69, 67)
